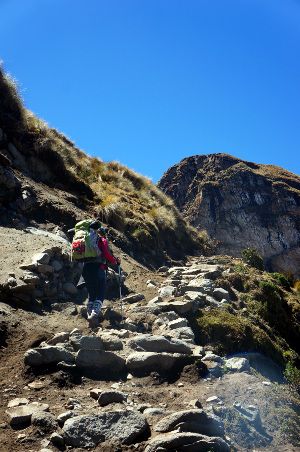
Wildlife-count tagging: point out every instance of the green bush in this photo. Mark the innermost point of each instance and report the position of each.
(292, 374)
(251, 257)
(282, 280)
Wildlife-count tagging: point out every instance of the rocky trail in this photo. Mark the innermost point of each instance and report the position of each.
(137, 383)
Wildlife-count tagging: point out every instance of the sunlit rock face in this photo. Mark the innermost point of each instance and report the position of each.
(240, 204)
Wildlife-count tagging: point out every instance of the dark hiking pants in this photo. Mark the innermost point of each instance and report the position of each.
(95, 281)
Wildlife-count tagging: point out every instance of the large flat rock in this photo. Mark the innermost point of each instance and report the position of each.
(88, 431)
(150, 343)
(188, 442)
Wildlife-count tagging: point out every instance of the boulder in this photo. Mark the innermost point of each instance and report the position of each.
(237, 364)
(203, 285)
(220, 294)
(143, 363)
(21, 415)
(61, 418)
(189, 442)
(57, 440)
(127, 427)
(150, 343)
(90, 343)
(185, 334)
(212, 357)
(101, 361)
(107, 397)
(47, 355)
(197, 421)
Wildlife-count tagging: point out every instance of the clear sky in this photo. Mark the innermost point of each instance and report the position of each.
(149, 82)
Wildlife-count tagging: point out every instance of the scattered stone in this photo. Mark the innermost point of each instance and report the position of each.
(127, 427)
(163, 269)
(21, 415)
(107, 397)
(237, 364)
(61, 419)
(250, 412)
(41, 258)
(167, 291)
(94, 393)
(178, 323)
(38, 384)
(220, 294)
(266, 383)
(213, 399)
(17, 402)
(57, 440)
(212, 357)
(134, 298)
(196, 403)
(189, 442)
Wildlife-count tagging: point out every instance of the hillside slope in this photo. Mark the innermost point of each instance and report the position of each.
(45, 178)
(240, 204)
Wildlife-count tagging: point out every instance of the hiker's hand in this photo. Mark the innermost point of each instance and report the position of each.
(118, 260)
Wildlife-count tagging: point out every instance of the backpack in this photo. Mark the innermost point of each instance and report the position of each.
(84, 246)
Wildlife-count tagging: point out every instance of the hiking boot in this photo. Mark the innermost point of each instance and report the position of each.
(97, 305)
(89, 309)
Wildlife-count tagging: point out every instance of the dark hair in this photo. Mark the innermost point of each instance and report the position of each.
(95, 225)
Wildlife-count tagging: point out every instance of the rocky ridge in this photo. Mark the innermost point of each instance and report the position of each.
(240, 205)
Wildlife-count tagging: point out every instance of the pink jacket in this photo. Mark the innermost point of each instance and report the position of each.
(103, 246)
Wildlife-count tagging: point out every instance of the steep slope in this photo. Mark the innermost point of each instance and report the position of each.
(45, 178)
(240, 204)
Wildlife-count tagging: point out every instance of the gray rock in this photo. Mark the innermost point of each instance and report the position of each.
(212, 357)
(44, 268)
(90, 343)
(203, 285)
(95, 393)
(127, 427)
(197, 421)
(220, 293)
(41, 258)
(178, 323)
(237, 364)
(59, 338)
(21, 415)
(214, 368)
(143, 363)
(154, 411)
(180, 307)
(134, 298)
(167, 291)
(110, 341)
(44, 421)
(107, 362)
(47, 355)
(150, 343)
(107, 397)
(70, 288)
(188, 442)
(57, 440)
(61, 418)
(17, 402)
(163, 269)
(185, 334)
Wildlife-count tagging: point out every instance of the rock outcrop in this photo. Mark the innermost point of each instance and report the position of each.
(240, 204)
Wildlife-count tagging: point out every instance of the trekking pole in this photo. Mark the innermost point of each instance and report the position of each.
(120, 290)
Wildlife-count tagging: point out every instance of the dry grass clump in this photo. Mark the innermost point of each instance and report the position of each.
(124, 199)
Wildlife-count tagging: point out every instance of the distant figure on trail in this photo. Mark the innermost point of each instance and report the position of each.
(90, 246)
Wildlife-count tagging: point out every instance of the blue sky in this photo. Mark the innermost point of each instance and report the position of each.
(149, 82)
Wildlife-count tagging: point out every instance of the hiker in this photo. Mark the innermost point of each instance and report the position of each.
(94, 269)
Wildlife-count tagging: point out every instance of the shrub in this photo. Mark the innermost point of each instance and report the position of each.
(251, 257)
(282, 280)
(292, 374)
